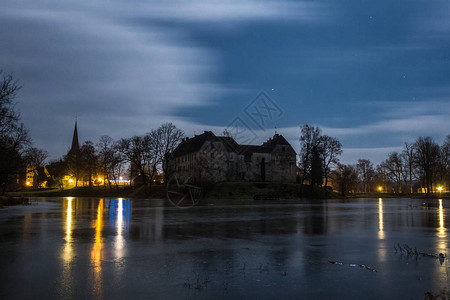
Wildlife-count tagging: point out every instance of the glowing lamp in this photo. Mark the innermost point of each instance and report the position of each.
(28, 183)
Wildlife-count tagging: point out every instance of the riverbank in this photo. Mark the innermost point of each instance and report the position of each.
(402, 195)
(223, 191)
(230, 191)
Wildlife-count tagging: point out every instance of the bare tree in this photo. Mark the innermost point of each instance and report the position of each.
(35, 157)
(153, 139)
(331, 149)
(135, 150)
(309, 139)
(14, 137)
(74, 165)
(89, 161)
(366, 173)
(169, 137)
(408, 159)
(381, 176)
(395, 171)
(9, 117)
(106, 151)
(426, 159)
(316, 173)
(117, 165)
(345, 177)
(11, 155)
(57, 170)
(445, 154)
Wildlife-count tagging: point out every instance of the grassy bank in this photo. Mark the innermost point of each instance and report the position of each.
(399, 195)
(229, 191)
(102, 191)
(240, 191)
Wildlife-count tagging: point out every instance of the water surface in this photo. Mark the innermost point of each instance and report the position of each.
(73, 248)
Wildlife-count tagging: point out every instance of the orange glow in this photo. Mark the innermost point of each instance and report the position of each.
(28, 183)
(97, 250)
(70, 180)
(380, 188)
(67, 252)
(442, 233)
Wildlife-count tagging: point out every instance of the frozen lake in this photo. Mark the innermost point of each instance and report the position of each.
(75, 248)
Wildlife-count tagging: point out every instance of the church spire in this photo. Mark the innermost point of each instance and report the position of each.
(75, 145)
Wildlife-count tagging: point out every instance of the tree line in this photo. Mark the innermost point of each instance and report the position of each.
(422, 164)
(143, 157)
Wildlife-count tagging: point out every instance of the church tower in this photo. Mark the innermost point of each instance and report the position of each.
(75, 144)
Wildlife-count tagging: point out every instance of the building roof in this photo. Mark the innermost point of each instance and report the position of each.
(277, 139)
(230, 144)
(194, 144)
(191, 145)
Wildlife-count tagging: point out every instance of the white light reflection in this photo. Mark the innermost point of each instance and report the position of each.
(119, 242)
(380, 219)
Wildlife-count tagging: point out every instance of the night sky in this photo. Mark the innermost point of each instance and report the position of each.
(373, 74)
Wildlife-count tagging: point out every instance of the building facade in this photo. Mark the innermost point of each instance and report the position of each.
(210, 158)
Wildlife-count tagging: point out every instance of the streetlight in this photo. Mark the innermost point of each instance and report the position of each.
(440, 189)
(380, 189)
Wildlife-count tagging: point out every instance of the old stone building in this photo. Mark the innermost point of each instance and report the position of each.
(211, 158)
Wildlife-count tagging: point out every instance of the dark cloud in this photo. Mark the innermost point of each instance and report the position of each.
(360, 70)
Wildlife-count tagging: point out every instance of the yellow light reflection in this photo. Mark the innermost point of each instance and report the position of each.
(380, 219)
(68, 251)
(442, 233)
(97, 252)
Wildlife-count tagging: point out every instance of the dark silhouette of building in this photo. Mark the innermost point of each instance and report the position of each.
(207, 157)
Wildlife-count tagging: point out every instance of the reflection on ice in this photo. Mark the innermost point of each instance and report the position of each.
(97, 253)
(118, 217)
(67, 251)
(442, 234)
(380, 219)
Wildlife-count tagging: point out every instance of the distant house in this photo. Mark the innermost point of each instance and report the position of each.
(37, 177)
(207, 157)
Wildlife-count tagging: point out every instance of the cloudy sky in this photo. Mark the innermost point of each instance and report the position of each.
(373, 74)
